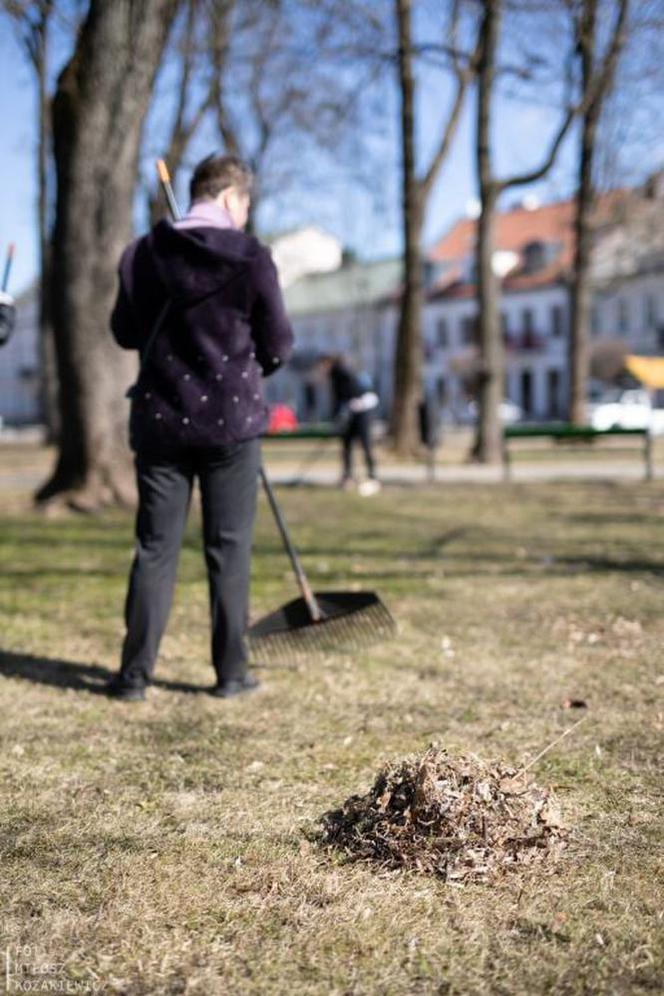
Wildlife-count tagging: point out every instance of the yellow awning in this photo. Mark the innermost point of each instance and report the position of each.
(648, 369)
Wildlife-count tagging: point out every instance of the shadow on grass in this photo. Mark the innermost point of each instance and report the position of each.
(72, 674)
(616, 518)
(38, 573)
(608, 565)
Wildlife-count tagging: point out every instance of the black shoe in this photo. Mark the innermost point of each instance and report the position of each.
(236, 686)
(129, 693)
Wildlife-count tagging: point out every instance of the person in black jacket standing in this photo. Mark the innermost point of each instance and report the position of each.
(353, 405)
(200, 300)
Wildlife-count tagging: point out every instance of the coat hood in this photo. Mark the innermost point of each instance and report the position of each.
(193, 263)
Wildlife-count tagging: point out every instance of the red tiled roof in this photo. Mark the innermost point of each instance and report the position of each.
(551, 223)
(551, 274)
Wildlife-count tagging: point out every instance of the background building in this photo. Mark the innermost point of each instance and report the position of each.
(340, 304)
(19, 366)
(355, 309)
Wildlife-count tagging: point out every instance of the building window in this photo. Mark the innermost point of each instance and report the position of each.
(527, 321)
(594, 320)
(623, 321)
(468, 330)
(527, 391)
(534, 256)
(554, 381)
(442, 337)
(557, 327)
(441, 391)
(649, 312)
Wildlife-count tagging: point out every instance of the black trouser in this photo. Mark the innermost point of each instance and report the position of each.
(228, 478)
(359, 427)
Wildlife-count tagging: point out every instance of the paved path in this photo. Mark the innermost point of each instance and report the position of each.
(477, 474)
(413, 475)
(24, 465)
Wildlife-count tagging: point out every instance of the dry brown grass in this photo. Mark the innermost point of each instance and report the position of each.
(161, 847)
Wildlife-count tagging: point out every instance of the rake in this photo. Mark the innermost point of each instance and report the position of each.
(317, 622)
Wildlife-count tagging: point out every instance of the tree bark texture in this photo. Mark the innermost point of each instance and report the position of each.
(100, 103)
(596, 79)
(578, 359)
(48, 380)
(408, 352)
(489, 431)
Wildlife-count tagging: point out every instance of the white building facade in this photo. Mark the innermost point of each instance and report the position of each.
(19, 366)
(535, 332)
(338, 304)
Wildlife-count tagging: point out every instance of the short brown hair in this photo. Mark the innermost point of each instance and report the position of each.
(214, 173)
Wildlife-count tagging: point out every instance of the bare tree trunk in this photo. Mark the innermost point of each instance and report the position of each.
(416, 191)
(33, 24)
(492, 352)
(48, 381)
(187, 120)
(408, 357)
(100, 103)
(489, 431)
(595, 82)
(580, 290)
(488, 441)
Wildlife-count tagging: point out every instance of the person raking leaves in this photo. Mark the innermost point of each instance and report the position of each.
(353, 407)
(200, 300)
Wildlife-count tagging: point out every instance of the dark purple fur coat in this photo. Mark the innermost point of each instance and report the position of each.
(225, 328)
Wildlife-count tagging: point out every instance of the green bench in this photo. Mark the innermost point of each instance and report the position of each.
(563, 433)
(313, 430)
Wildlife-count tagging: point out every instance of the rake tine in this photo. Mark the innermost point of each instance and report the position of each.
(355, 632)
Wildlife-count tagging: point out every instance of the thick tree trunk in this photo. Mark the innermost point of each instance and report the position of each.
(488, 446)
(580, 296)
(100, 103)
(488, 441)
(408, 351)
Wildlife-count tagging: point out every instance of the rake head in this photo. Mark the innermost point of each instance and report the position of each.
(351, 621)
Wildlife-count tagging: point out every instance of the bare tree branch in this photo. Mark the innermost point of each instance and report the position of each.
(593, 93)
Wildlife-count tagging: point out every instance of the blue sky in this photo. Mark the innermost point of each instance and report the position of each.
(521, 133)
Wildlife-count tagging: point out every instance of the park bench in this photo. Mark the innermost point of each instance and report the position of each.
(314, 430)
(564, 433)
(321, 432)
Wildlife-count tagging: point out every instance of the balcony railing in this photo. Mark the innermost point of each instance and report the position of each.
(524, 341)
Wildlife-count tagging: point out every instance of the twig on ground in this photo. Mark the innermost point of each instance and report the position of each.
(553, 743)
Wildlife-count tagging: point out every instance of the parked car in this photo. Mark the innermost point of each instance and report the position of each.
(509, 413)
(626, 409)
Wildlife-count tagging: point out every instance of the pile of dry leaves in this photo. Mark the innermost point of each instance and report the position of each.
(458, 817)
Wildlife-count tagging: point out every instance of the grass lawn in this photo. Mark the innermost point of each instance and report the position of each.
(161, 847)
